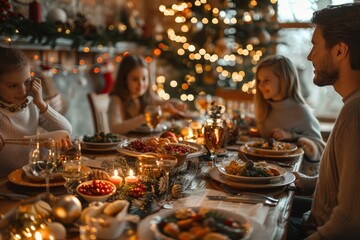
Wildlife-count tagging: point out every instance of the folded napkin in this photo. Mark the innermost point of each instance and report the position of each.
(97, 161)
(257, 212)
(56, 135)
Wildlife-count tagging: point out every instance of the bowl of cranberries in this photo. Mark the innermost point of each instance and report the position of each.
(96, 190)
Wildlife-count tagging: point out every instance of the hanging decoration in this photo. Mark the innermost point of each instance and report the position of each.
(78, 30)
(106, 70)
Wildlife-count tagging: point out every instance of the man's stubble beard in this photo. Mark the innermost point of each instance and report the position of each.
(326, 76)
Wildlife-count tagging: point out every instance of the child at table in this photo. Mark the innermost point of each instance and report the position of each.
(282, 113)
(22, 109)
(130, 95)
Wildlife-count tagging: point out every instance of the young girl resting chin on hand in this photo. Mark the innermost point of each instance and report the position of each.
(22, 109)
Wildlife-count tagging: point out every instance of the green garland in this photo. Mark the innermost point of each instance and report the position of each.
(80, 32)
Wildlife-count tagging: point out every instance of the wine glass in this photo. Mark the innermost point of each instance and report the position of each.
(214, 134)
(148, 166)
(153, 115)
(42, 158)
(167, 162)
(71, 172)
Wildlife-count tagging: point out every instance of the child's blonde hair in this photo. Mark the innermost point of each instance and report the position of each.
(286, 71)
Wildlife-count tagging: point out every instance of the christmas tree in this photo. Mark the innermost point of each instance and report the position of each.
(216, 44)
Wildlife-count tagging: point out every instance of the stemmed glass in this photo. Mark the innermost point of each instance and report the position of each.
(71, 172)
(148, 166)
(153, 115)
(74, 151)
(42, 158)
(72, 165)
(168, 162)
(214, 134)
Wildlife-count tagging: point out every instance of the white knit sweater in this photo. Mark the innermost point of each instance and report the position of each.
(22, 123)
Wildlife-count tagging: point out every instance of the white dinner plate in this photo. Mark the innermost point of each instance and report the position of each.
(297, 153)
(272, 179)
(199, 150)
(288, 148)
(285, 180)
(144, 231)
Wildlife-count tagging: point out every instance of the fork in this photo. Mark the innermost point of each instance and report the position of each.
(258, 195)
(241, 199)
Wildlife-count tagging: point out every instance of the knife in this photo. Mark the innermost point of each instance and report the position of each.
(241, 199)
(13, 196)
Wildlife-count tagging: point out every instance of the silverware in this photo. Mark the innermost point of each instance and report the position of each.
(13, 196)
(251, 200)
(280, 164)
(249, 194)
(258, 195)
(18, 141)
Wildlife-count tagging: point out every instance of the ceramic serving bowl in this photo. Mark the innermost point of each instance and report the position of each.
(96, 190)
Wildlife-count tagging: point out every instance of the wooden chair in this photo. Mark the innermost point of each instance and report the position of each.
(235, 98)
(233, 94)
(99, 104)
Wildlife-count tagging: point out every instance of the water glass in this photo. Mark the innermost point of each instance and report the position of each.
(72, 173)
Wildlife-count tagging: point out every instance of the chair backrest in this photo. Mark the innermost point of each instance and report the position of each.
(236, 99)
(99, 104)
(233, 94)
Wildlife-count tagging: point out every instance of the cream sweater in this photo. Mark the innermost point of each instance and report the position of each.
(336, 205)
(22, 123)
(302, 123)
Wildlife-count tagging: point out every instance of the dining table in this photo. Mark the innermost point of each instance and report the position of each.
(201, 181)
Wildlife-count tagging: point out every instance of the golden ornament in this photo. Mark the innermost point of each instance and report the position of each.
(66, 209)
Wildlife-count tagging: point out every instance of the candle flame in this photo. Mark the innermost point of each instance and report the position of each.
(116, 173)
(190, 135)
(131, 173)
(38, 236)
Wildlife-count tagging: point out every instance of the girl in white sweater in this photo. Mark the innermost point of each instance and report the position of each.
(22, 109)
(131, 93)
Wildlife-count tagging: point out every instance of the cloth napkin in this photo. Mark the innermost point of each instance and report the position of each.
(257, 212)
(96, 161)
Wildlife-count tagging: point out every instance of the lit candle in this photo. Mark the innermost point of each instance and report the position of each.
(38, 236)
(131, 178)
(116, 179)
(190, 137)
(253, 132)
